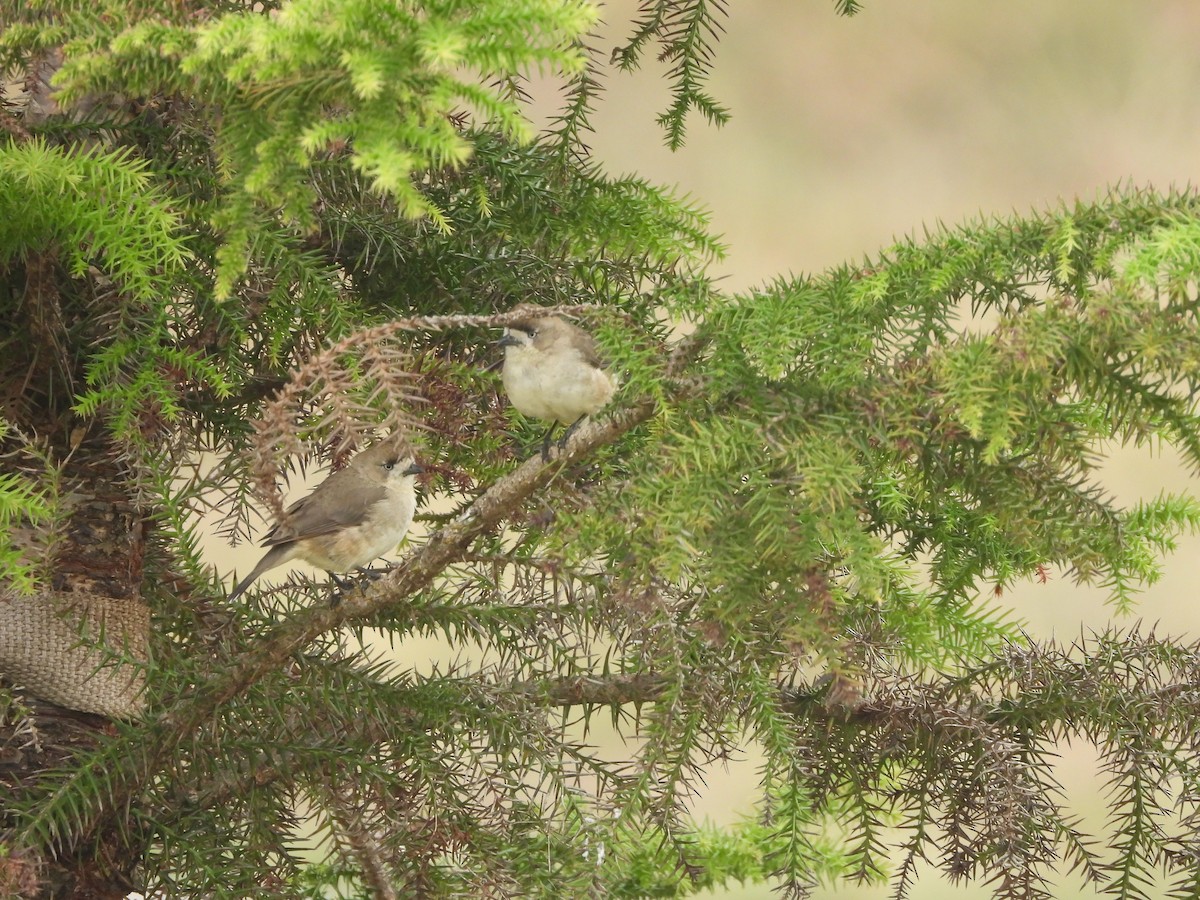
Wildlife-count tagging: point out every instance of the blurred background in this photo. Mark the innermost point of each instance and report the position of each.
(848, 133)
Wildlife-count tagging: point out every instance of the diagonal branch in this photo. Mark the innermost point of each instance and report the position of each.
(446, 546)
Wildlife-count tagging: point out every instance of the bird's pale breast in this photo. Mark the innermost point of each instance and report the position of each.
(561, 388)
(379, 534)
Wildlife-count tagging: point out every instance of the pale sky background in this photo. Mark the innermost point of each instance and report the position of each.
(848, 133)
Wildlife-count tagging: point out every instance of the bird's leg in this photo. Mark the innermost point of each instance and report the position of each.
(341, 587)
(388, 566)
(546, 443)
(571, 429)
(342, 583)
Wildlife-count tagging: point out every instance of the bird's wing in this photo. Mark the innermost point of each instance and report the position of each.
(585, 346)
(305, 519)
(593, 359)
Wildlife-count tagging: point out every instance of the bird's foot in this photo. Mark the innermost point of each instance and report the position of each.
(571, 429)
(368, 573)
(343, 586)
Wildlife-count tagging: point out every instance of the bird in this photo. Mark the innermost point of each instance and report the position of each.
(352, 517)
(553, 372)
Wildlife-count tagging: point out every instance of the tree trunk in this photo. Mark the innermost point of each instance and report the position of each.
(96, 565)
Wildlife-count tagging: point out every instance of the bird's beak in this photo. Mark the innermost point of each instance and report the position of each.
(414, 469)
(507, 341)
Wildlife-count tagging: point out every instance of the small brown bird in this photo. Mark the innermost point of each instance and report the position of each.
(353, 516)
(553, 372)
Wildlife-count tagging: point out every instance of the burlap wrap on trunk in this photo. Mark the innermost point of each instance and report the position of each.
(75, 650)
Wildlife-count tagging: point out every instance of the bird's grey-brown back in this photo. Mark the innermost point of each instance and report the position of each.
(552, 370)
(346, 497)
(353, 517)
(552, 334)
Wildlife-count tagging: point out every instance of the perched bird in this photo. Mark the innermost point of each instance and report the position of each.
(353, 516)
(553, 372)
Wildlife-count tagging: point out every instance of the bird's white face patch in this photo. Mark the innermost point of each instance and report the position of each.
(398, 468)
(523, 337)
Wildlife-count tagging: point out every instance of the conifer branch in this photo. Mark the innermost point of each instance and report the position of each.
(962, 750)
(361, 843)
(222, 200)
(185, 716)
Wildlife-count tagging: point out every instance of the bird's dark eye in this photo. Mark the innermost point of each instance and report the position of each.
(525, 329)
(390, 464)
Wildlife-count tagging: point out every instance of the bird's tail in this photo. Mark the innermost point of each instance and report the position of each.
(277, 555)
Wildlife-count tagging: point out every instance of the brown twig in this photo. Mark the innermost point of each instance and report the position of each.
(360, 842)
(324, 375)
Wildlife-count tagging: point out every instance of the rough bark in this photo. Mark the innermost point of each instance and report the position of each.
(96, 555)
